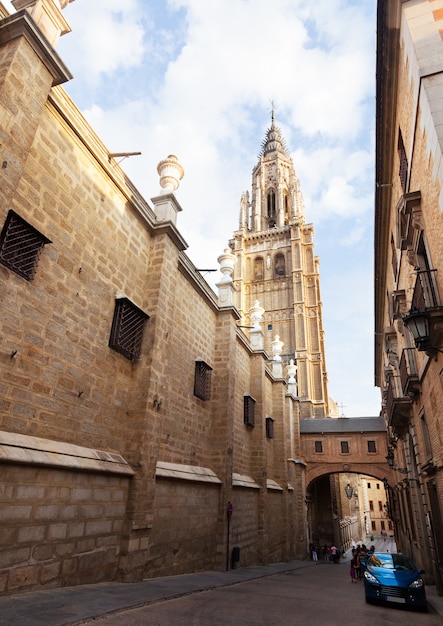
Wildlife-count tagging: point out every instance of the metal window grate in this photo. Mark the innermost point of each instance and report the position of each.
(202, 380)
(403, 166)
(127, 328)
(269, 428)
(249, 410)
(20, 246)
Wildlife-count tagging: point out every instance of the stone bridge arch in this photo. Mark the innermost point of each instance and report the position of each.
(333, 450)
(378, 470)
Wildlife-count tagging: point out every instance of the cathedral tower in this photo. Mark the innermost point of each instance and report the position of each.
(276, 265)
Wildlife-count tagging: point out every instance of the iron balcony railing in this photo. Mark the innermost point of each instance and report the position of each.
(408, 372)
(425, 291)
(398, 405)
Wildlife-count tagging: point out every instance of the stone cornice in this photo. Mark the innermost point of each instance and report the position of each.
(189, 270)
(21, 24)
(86, 136)
(28, 450)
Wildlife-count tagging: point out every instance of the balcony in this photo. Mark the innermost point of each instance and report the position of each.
(425, 318)
(410, 382)
(398, 406)
(425, 291)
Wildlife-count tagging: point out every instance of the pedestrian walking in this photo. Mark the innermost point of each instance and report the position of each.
(354, 566)
(335, 555)
(315, 553)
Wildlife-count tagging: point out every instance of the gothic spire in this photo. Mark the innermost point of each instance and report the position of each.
(273, 141)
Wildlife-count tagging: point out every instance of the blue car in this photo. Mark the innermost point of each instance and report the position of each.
(393, 578)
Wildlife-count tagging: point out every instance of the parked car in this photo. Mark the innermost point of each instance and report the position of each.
(394, 578)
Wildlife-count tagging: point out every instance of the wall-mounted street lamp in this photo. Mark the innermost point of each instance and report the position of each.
(418, 324)
(349, 491)
(390, 462)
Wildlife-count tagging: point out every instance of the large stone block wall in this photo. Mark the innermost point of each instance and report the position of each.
(184, 535)
(64, 381)
(59, 527)
(245, 528)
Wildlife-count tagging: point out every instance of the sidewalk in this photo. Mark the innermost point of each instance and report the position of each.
(68, 606)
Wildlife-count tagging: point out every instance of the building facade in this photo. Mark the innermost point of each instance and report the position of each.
(143, 431)
(409, 269)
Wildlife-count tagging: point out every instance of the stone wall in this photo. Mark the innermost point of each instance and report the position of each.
(59, 527)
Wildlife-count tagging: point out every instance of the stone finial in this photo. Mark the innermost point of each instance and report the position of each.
(291, 370)
(225, 285)
(277, 366)
(227, 262)
(47, 14)
(256, 312)
(277, 347)
(171, 172)
(256, 333)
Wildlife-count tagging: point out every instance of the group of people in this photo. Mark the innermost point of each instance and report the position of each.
(325, 552)
(358, 561)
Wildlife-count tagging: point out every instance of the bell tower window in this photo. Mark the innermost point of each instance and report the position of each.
(271, 203)
(258, 269)
(279, 265)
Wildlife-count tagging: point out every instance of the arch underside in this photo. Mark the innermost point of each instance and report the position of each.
(377, 470)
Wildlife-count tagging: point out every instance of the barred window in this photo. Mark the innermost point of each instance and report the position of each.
(127, 328)
(403, 166)
(249, 410)
(269, 428)
(318, 446)
(20, 246)
(202, 380)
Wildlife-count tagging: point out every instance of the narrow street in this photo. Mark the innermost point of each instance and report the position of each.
(316, 594)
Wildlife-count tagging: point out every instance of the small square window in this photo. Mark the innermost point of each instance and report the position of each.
(249, 411)
(318, 446)
(20, 246)
(372, 446)
(269, 428)
(127, 328)
(378, 485)
(369, 485)
(202, 380)
(344, 446)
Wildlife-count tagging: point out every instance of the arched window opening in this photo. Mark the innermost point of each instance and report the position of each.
(271, 203)
(258, 269)
(279, 267)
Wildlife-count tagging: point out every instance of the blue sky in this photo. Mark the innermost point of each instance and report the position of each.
(196, 78)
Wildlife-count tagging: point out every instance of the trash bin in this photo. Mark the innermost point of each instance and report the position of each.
(235, 558)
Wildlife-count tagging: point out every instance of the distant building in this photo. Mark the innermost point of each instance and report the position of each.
(276, 266)
(409, 269)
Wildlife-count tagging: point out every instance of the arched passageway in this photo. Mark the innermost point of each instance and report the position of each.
(346, 507)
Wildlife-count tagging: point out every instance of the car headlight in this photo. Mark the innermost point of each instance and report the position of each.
(416, 584)
(370, 578)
